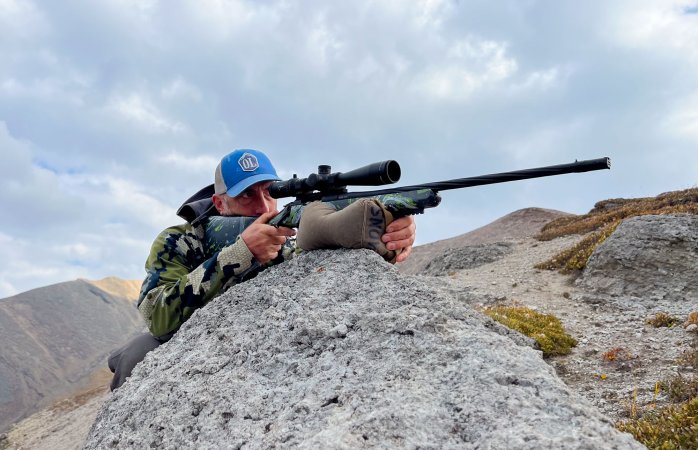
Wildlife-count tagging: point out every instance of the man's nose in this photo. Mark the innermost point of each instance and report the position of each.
(261, 205)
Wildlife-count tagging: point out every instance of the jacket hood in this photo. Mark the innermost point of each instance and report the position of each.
(199, 206)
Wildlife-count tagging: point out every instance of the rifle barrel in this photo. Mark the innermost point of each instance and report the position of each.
(547, 171)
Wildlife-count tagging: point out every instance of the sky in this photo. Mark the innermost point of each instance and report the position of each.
(114, 112)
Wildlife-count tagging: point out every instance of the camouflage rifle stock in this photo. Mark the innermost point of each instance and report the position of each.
(400, 201)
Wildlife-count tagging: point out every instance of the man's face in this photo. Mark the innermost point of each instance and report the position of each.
(254, 201)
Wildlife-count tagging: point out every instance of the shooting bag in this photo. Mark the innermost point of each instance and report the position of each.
(359, 225)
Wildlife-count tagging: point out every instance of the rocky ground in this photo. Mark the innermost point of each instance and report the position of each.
(336, 349)
(618, 388)
(65, 424)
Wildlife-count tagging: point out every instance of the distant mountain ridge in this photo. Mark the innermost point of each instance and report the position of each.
(519, 224)
(55, 337)
(128, 289)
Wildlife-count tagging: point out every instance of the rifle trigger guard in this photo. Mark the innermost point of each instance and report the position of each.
(283, 215)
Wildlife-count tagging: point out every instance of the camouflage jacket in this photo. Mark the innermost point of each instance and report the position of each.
(184, 270)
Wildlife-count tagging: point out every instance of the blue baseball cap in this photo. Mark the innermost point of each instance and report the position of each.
(241, 169)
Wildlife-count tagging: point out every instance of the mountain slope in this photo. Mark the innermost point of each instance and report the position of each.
(520, 224)
(55, 337)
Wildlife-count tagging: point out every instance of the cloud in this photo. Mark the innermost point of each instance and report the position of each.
(113, 112)
(468, 66)
(667, 25)
(143, 113)
(21, 20)
(178, 88)
(683, 120)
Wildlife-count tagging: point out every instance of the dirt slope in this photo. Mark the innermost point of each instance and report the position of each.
(55, 338)
(520, 224)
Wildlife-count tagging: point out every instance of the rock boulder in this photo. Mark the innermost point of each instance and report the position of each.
(335, 349)
(649, 261)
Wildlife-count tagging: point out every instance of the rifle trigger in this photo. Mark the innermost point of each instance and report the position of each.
(276, 221)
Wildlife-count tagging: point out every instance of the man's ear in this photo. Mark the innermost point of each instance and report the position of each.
(218, 202)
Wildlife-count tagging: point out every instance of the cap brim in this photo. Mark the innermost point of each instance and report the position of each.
(247, 182)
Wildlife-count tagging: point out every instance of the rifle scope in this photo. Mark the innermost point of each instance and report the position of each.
(376, 174)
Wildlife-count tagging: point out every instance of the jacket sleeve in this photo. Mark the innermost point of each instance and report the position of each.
(181, 278)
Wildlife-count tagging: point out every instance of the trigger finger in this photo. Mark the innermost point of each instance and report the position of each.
(287, 231)
(279, 240)
(400, 244)
(402, 235)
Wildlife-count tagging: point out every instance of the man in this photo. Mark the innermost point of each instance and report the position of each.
(184, 275)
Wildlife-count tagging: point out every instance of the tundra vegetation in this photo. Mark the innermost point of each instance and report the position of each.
(601, 221)
(545, 329)
(675, 426)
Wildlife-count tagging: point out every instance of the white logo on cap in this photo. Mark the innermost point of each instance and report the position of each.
(248, 162)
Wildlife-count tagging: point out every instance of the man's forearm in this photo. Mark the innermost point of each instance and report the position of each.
(177, 291)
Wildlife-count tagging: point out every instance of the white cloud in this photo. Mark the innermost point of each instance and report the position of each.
(658, 24)
(139, 110)
(179, 88)
(683, 120)
(430, 12)
(31, 265)
(543, 79)
(20, 19)
(112, 112)
(27, 188)
(135, 203)
(219, 20)
(201, 163)
(66, 88)
(467, 66)
(323, 45)
(545, 141)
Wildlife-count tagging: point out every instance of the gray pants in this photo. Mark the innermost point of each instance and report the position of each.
(123, 360)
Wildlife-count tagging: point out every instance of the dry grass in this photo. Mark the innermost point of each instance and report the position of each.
(609, 211)
(662, 319)
(682, 388)
(603, 220)
(673, 427)
(575, 258)
(692, 319)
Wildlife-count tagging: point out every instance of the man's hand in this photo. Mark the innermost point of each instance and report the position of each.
(265, 241)
(400, 236)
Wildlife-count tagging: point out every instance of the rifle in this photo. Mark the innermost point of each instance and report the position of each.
(400, 201)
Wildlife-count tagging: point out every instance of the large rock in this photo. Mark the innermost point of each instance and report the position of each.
(335, 349)
(515, 226)
(466, 258)
(647, 261)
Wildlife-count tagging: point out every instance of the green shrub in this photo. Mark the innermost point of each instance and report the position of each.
(545, 329)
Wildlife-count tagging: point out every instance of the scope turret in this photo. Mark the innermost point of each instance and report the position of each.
(376, 174)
